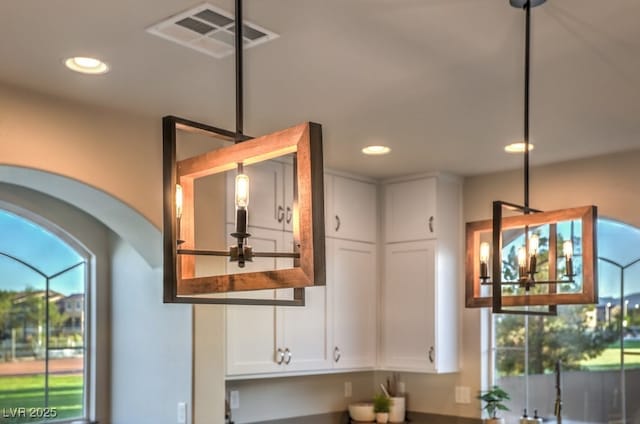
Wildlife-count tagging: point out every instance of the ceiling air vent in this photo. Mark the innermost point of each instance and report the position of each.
(210, 30)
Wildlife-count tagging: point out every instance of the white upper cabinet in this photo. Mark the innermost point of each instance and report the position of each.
(410, 210)
(351, 288)
(423, 231)
(270, 195)
(350, 209)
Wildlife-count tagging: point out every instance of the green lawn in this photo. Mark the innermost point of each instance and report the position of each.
(610, 358)
(65, 395)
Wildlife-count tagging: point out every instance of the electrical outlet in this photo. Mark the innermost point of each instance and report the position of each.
(234, 399)
(463, 394)
(348, 389)
(182, 412)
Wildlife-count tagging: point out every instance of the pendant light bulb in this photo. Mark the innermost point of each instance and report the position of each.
(567, 249)
(242, 191)
(178, 201)
(485, 250)
(534, 243)
(522, 257)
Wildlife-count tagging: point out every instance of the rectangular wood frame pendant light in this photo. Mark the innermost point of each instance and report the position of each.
(486, 240)
(181, 285)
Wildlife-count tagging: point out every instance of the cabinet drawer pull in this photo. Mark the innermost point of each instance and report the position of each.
(431, 224)
(336, 354)
(280, 213)
(279, 356)
(288, 353)
(431, 354)
(289, 215)
(337, 223)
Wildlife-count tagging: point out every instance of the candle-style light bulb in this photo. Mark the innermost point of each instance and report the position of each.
(242, 191)
(178, 201)
(522, 256)
(534, 243)
(567, 251)
(485, 251)
(522, 263)
(242, 202)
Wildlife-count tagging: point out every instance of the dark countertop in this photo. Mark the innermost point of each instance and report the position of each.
(343, 418)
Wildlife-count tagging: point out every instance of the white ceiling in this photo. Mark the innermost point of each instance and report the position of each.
(440, 81)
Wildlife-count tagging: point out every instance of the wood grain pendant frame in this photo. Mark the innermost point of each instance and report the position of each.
(180, 283)
(497, 301)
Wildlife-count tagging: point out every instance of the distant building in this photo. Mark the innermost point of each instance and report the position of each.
(73, 308)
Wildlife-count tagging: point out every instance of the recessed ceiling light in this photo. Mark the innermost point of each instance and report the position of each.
(516, 148)
(87, 65)
(376, 150)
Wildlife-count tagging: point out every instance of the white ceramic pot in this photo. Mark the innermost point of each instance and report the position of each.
(362, 411)
(382, 417)
(397, 410)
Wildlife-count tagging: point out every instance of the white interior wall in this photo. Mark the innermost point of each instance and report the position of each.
(150, 343)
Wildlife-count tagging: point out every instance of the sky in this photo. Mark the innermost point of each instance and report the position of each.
(41, 249)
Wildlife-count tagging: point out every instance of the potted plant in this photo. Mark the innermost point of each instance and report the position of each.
(381, 405)
(493, 403)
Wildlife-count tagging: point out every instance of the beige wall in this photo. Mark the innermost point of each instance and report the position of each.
(115, 152)
(611, 182)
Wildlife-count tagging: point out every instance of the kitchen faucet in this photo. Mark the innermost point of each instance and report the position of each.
(558, 405)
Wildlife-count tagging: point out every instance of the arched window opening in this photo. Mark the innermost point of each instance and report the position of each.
(43, 322)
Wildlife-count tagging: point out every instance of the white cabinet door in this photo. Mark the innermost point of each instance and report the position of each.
(409, 308)
(410, 210)
(304, 337)
(268, 339)
(351, 267)
(304, 329)
(352, 212)
(266, 195)
(251, 331)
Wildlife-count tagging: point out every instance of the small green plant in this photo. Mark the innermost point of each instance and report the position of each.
(493, 400)
(381, 403)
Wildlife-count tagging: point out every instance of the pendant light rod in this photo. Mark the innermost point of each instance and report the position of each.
(527, 54)
(239, 75)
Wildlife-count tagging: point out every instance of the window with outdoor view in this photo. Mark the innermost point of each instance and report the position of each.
(43, 324)
(598, 345)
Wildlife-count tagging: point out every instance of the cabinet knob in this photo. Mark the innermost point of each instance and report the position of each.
(280, 213)
(431, 224)
(336, 354)
(431, 354)
(289, 215)
(279, 356)
(288, 353)
(337, 223)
